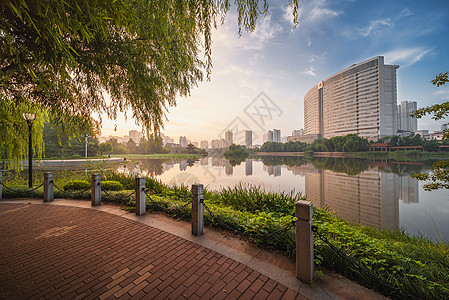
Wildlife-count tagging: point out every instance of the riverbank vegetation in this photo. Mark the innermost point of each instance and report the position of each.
(412, 263)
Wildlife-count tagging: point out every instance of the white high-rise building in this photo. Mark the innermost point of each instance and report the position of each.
(228, 138)
(183, 141)
(405, 121)
(276, 135)
(248, 139)
(358, 100)
(135, 136)
(204, 144)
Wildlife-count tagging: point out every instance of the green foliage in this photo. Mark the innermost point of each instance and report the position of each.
(110, 185)
(105, 148)
(347, 143)
(414, 264)
(236, 151)
(245, 197)
(60, 145)
(142, 54)
(77, 185)
(439, 178)
(431, 146)
(15, 132)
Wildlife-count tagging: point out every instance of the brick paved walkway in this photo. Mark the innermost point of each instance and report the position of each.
(76, 253)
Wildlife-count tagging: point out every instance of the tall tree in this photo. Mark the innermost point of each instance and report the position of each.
(73, 58)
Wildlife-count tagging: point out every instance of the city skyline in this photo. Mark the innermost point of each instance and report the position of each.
(285, 63)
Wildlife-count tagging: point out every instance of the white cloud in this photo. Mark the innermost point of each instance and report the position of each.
(441, 93)
(310, 71)
(318, 11)
(375, 26)
(406, 57)
(406, 12)
(265, 31)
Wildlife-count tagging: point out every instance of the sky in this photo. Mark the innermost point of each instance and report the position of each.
(259, 79)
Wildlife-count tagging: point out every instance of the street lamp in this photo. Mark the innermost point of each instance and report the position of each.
(87, 136)
(30, 117)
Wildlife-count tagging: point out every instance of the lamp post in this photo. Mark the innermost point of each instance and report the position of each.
(30, 117)
(87, 136)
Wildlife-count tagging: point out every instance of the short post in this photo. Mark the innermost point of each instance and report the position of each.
(49, 187)
(197, 209)
(96, 189)
(304, 241)
(140, 196)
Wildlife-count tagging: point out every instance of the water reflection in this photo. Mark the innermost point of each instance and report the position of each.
(376, 193)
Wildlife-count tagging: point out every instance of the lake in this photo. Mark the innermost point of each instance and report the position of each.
(377, 193)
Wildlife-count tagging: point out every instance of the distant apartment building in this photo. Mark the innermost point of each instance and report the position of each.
(218, 143)
(228, 138)
(276, 135)
(361, 99)
(248, 139)
(298, 132)
(183, 142)
(270, 136)
(405, 121)
(167, 140)
(204, 144)
(135, 136)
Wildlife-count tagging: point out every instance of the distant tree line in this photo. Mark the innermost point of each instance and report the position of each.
(347, 143)
(352, 143)
(149, 145)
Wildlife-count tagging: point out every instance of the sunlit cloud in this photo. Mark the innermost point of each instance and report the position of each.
(406, 57)
(310, 71)
(318, 11)
(376, 26)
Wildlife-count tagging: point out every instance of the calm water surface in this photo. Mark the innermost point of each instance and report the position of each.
(380, 194)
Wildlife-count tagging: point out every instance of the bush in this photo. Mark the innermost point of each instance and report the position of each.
(110, 185)
(77, 185)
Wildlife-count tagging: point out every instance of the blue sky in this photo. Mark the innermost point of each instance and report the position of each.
(285, 63)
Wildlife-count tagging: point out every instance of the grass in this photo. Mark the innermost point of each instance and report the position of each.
(413, 263)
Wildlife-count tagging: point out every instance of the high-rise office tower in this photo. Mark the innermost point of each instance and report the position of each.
(405, 121)
(248, 139)
(228, 138)
(276, 135)
(358, 100)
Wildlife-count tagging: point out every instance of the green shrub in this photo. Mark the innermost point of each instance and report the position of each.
(110, 185)
(77, 185)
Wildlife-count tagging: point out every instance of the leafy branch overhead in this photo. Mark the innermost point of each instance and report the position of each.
(75, 59)
(79, 57)
(440, 176)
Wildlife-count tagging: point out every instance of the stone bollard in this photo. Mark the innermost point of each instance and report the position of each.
(49, 187)
(140, 196)
(304, 241)
(197, 209)
(96, 189)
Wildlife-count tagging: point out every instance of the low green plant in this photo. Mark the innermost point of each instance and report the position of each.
(76, 185)
(110, 185)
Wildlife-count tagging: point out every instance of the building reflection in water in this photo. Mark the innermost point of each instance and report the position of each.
(370, 198)
(229, 169)
(248, 167)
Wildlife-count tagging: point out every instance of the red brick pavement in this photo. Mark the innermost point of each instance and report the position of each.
(77, 253)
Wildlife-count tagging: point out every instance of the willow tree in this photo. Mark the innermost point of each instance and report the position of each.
(75, 58)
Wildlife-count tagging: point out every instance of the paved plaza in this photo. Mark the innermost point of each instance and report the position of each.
(50, 251)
